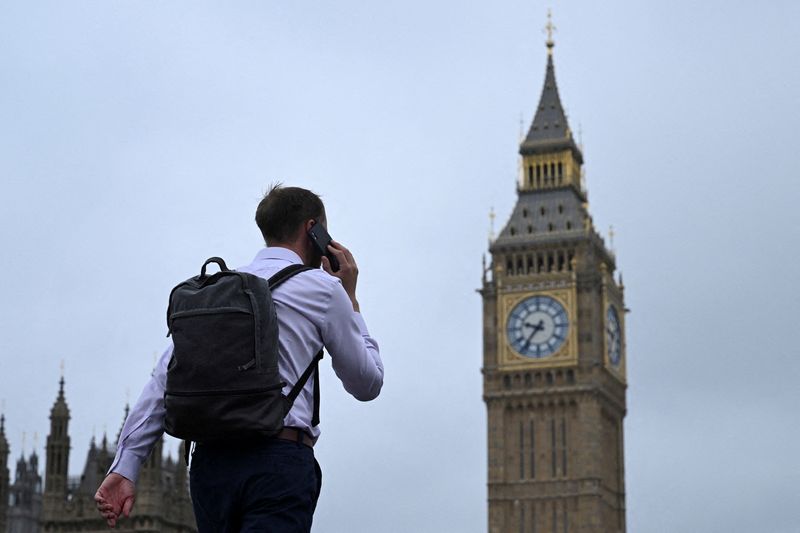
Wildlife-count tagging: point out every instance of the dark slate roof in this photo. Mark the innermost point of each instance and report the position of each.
(549, 130)
(553, 214)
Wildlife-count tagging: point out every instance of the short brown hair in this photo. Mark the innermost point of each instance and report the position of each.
(283, 209)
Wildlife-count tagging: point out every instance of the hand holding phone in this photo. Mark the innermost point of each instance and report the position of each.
(347, 273)
(322, 239)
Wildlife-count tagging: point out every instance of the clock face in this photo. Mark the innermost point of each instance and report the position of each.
(537, 326)
(613, 336)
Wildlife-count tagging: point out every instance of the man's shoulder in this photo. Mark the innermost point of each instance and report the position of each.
(314, 280)
(316, 277)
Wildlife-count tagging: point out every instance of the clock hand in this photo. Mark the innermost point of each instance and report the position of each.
(536, 329)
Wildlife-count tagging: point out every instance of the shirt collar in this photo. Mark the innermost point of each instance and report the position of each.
(277, 252)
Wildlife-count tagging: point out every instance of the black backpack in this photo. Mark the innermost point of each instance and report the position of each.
(222, 380)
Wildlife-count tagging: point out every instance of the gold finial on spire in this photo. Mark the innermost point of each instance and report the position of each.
(35, 441)
(549, 29)
(491, 223)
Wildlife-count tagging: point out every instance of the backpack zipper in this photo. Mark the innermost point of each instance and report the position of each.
(228, 392)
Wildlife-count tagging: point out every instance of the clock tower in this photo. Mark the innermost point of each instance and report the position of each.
(553, 347)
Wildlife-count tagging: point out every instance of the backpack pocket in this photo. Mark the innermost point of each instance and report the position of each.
(203, 416)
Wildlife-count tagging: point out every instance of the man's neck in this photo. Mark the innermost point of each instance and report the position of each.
(296, 247)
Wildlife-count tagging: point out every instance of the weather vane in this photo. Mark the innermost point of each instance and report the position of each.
(549, 29)
(491, 223)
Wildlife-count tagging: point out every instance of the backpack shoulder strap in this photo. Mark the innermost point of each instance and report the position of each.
(286, 273)
(313, 367)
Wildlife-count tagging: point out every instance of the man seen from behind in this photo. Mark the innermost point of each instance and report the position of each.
(266, 484)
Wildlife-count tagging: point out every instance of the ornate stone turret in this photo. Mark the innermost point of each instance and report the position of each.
(25, 496)
(57, 460)
(4, 474)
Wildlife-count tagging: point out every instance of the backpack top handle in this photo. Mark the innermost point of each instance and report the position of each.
(218, 260)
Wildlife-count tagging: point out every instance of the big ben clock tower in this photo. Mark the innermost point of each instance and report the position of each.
(554, 347)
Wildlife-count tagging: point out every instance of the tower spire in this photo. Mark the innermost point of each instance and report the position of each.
(57, 449)
(550, 129)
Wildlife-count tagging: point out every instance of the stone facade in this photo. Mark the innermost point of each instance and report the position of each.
(554, 354)
(66, 504)
(25, 502)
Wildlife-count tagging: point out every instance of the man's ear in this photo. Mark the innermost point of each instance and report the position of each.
(308, 225)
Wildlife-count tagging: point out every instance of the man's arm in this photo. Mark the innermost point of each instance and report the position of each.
(142, 429)
(355, 356)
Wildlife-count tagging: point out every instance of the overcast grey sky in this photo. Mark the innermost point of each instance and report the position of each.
(136, 139)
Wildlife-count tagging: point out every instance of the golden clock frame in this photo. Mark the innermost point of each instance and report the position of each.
(567, 354)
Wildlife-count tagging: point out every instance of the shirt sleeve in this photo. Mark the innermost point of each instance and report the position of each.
(144, 425)
(354, 354)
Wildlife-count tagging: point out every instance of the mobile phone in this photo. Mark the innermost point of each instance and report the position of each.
(321, 239)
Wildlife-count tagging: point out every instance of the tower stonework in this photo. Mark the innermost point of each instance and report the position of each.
(554, 350)
(57, 458)
(25, 497)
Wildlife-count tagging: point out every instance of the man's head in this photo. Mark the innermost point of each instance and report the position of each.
(284, 216)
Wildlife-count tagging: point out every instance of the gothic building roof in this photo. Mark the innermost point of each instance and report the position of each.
(544, 215)
(163, 503)
(549, 130)
(60, 408)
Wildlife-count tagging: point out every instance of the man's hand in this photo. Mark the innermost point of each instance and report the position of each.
(115, 497)
(348, 270)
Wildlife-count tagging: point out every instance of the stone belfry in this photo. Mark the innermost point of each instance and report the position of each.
(4, 474)
(554, 348)
(57, 460)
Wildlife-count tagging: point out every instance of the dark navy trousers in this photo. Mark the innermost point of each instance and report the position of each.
(268, 487)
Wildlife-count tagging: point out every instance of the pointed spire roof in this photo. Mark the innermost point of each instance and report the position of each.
(60, 408)
(549, 130)
(124, 419)
(3, 441)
